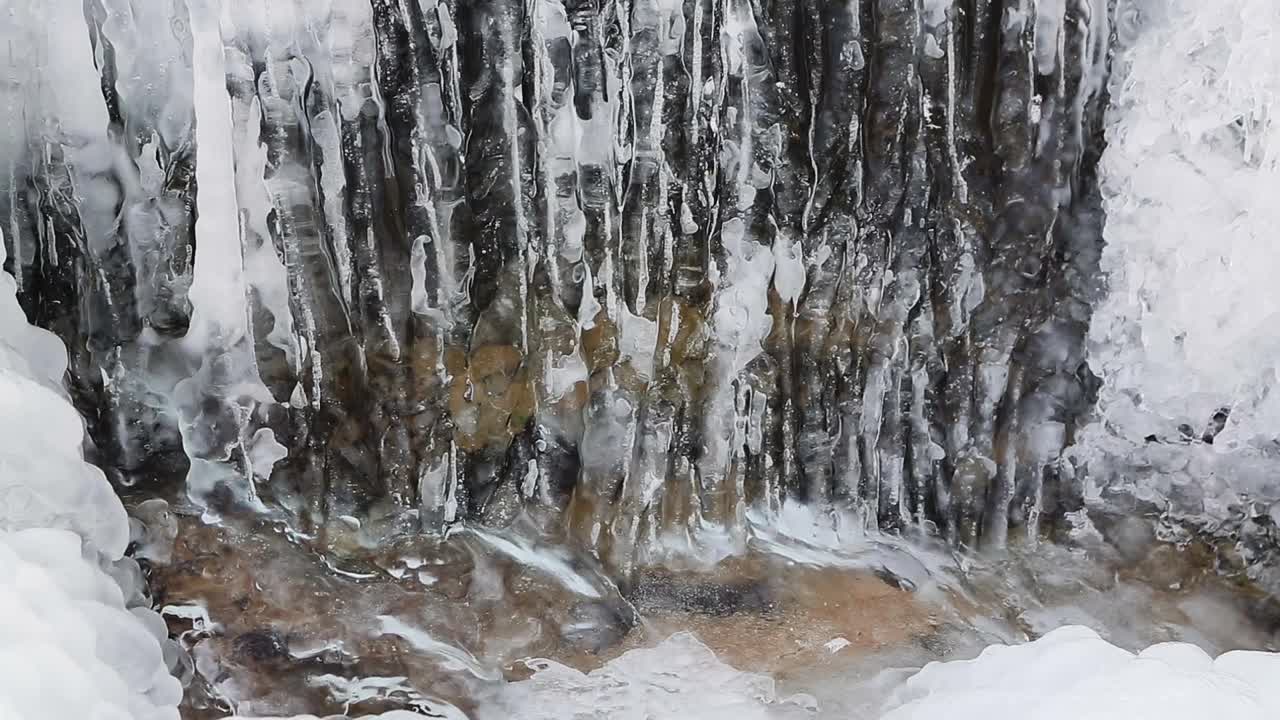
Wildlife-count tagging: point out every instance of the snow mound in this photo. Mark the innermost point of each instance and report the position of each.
(1072, 674)
(68, 647)
(73, 643)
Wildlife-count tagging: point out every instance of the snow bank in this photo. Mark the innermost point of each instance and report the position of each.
(1072, 674)
(71, 645)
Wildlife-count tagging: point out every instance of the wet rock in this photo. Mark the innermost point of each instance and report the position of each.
(660, 591)
(260, 646)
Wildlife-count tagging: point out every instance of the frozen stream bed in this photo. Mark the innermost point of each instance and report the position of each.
(807, 624)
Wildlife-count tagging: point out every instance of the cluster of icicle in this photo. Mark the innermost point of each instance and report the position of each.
(78, 637)
(628, 268)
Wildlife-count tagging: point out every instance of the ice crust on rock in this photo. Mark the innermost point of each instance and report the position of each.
(1073, 673)
(431, 233)
(392, 715)
(74, 642)
(1069, 674)
(679, 678)
(1192, 169)
(1187, 340)
(1186, 335)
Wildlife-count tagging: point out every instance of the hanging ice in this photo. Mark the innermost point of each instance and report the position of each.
(631, 271)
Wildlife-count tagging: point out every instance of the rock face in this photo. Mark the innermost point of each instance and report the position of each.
(626, 268)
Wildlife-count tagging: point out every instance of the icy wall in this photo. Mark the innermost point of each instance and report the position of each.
(1187, 340)
(629, 267)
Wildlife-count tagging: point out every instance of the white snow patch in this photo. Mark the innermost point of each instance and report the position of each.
(1071, 673)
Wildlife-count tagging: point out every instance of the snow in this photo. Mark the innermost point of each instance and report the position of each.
(43, 481)
(74, 643)
(1072, 673)
(69, 648)
(76, 640)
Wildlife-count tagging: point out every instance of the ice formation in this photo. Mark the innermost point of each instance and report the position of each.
(77, 639)
(679, 678)
(630, 271)
(1186, 340)
(70, 645)
(618, 271)
(1187, 329)
(393, 715)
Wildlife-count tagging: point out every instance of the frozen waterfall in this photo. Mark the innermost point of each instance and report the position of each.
(522, 358)
(633, 270)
